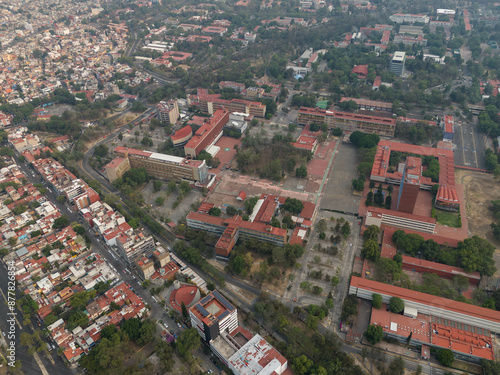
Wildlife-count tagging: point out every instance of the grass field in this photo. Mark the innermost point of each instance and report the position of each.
(450, 219)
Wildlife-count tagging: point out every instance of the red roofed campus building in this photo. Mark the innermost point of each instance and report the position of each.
(165, 166)
(307, 139)
(383, 126)
(448, 128)
(231, 229)
(410, 178)
(208, 134)
(182, 136)
(241, 196)
(369, 105)
(467, 342)
(458, 312)
(183, 293)
(211, 102)
(361, 71)
(425, 266)
(257, 227)
(381, 216)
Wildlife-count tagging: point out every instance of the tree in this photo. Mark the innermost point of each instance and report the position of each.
(293, 205)
(334, 281)
(358, 184)
(397, 367)
(491, 160)
(445, 357)
(301, 171)
(396, 305)
(346, 229)
(231, 210)
(374, 334)
(132, 328)
(156, 185)
(376, 300)
(61, 222)
(108, 331)
(371, 250)
(184, 187)
(371, 233)
(388, 202)
(378, 197)
(369, 198)
(171, 187)
(322, 225)
(185, 314)
(188, 341)
(159, 201)
(215, 211)
(238, 264)
(101, 151)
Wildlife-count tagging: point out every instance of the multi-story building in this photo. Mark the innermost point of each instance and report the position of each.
(182, 136)
(213, 315)
(209, 103)
(369, 105)
(409, 18)
(428, 304)
(145, 267)
(132, 245)
(383, 126)
(165, 166)
(208, 134)
(259, 357)
(381, 216)
(168, 112)
(116, 168)
(410, 40)
(237, 123)
(397, 65)
(231, 229)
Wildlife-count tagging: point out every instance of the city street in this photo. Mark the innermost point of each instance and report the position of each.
(157, 311)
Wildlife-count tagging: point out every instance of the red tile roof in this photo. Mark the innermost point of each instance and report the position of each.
(426, 299)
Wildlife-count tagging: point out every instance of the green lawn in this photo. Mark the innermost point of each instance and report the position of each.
(450, 219)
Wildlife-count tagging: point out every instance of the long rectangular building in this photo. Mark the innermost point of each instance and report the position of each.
(231, 229)
(208, 133)
(165, 166)
(209, 103)
(428, 304)
(383, 126)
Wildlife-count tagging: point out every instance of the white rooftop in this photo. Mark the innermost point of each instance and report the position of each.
(256, 357)
(399, 56)
(164, 157)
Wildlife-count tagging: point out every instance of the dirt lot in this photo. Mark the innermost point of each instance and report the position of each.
(480, 190)
(166, 209)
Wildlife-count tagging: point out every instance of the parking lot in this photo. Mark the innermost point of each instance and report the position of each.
(338, 194)
(469, 145)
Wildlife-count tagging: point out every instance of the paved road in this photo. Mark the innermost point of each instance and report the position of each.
(470, 146)
(28, 363)
(157, 311)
